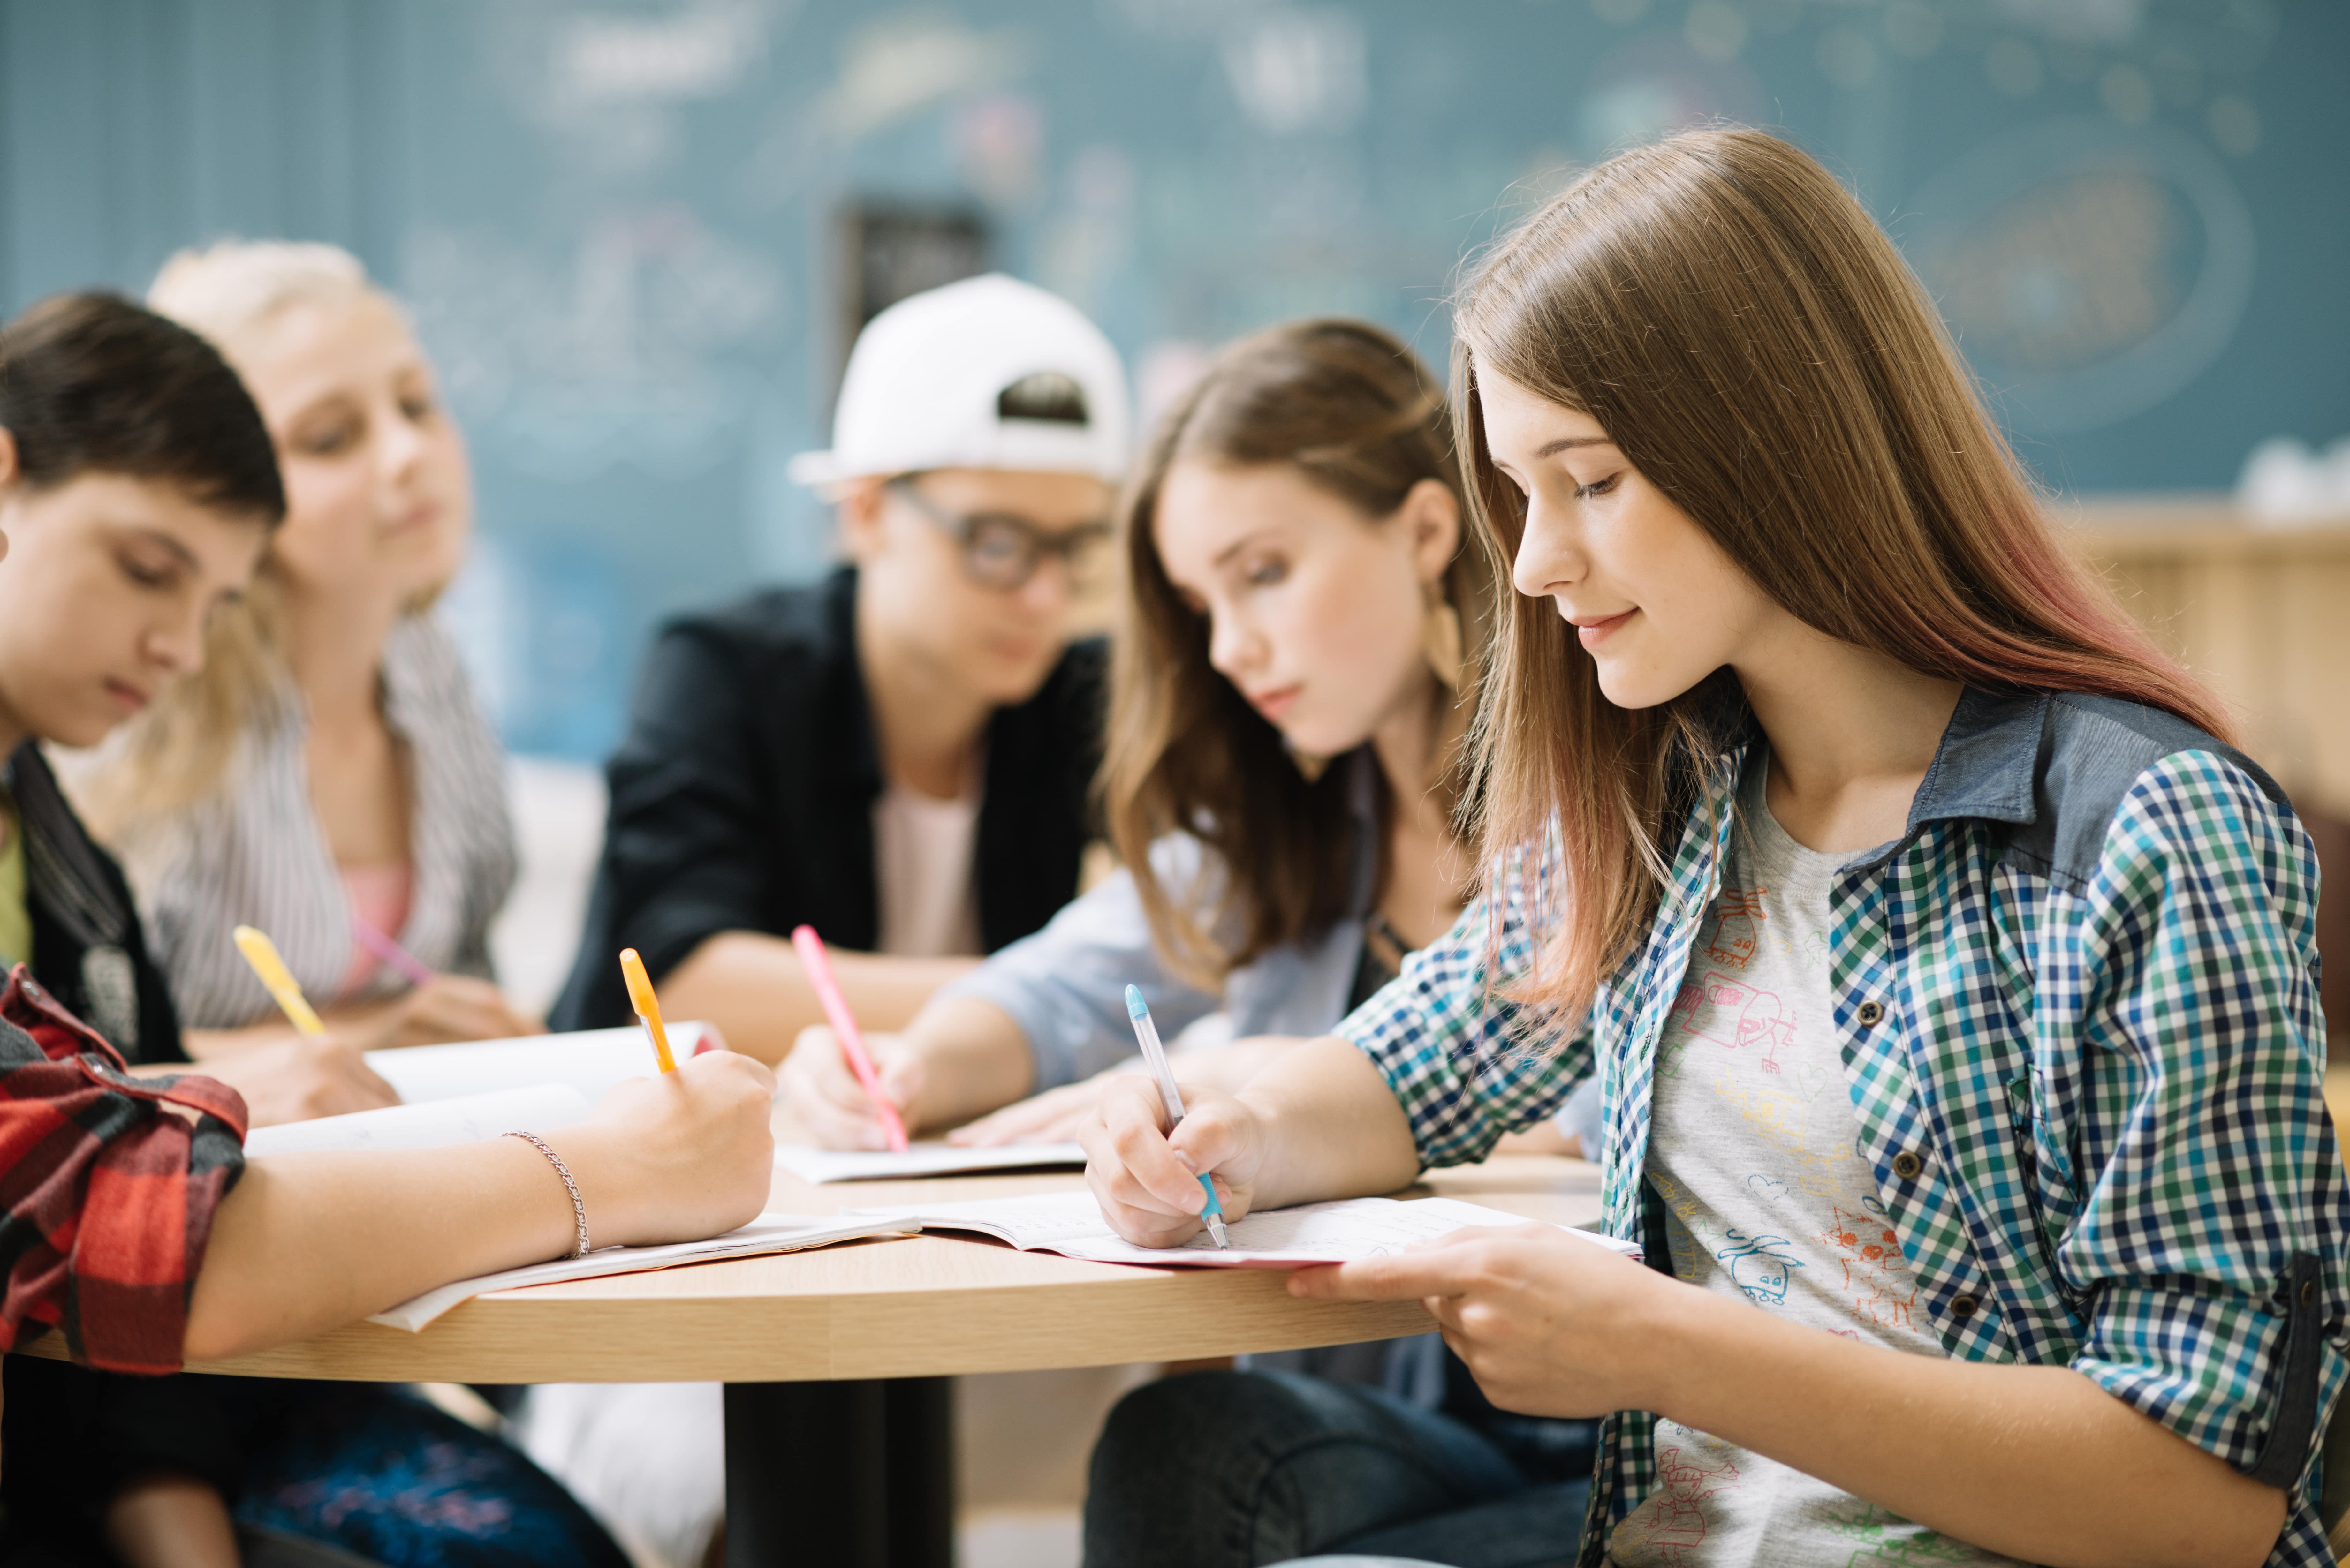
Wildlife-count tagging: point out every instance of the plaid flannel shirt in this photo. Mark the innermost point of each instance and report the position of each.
(108, 1186)
(2077, 1006)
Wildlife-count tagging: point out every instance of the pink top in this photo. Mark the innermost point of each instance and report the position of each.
(379, 896)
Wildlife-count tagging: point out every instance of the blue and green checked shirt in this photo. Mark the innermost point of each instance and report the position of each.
(2077, 1006)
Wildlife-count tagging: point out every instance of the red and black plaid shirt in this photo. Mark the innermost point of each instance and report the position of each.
(108, 1185)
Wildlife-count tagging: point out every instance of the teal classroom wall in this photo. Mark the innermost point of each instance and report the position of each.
(611, 219)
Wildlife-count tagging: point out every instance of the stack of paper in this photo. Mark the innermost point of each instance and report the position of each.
(1071, 1224)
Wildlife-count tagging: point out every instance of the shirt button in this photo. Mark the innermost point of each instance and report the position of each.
(1963, 1307)
(1906, 1166)
(1870, 1014)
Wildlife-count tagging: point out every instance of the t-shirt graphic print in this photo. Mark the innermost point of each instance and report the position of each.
(1751, 1149)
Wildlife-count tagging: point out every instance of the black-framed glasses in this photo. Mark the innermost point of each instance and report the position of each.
(1002, 551)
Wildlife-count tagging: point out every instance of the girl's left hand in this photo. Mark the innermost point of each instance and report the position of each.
(1548, 1325)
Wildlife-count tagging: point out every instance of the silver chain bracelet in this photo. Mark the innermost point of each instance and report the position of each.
(578, 1209)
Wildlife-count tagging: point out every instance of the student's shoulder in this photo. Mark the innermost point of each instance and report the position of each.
(770, 630)
(2098, 754)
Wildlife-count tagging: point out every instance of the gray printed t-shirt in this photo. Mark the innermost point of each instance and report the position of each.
(1751, 1149)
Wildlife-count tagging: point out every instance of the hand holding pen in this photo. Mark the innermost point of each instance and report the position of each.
(1147, 1169)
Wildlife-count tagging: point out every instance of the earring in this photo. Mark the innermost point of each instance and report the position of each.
(1439, 640)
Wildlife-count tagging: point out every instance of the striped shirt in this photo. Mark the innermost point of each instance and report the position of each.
(255, 854)
(2076, 1006)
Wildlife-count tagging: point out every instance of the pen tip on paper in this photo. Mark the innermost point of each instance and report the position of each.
(1216, 1229)
(1135, 1007)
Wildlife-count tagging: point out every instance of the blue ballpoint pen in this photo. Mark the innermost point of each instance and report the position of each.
(1153, 1053)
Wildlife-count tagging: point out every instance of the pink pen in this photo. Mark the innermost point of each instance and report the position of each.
(414, 968)
(844, 1025)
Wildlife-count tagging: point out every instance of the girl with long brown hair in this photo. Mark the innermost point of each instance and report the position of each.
(1950, 980)
(1284, 750)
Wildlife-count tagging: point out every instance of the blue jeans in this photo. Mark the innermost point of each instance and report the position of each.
(1233, 1470)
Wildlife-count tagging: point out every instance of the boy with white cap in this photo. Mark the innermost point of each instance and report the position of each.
(899, 755)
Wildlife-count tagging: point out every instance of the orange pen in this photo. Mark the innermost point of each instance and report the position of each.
(648, 1006)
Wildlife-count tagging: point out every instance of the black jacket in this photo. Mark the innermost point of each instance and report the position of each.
(743, 797)
(88, 947)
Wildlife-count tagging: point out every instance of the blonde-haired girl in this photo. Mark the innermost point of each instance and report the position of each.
(328, 777)
(1951, 980)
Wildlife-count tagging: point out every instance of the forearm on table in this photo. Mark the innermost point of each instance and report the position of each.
(974, 1056)
(1333, 1126)
(2036, 1462)
(751, 985)
(308, 1241)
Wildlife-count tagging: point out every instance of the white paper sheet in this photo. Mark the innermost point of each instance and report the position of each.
(590, 1061)
(1070, 1223)
(540, 1108)
(822, 1166)
(767, 1233)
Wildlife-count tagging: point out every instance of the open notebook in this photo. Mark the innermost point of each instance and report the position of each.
(1071, 1223)
(589, 1060)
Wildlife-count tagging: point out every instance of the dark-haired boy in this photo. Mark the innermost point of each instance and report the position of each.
(899, 755)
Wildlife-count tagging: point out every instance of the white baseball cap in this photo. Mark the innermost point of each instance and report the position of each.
(927, 386)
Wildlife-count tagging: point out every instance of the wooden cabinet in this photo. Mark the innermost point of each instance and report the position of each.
(2261, 613)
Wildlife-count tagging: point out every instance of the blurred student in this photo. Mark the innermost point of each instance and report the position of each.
(328, 768)
(1953, 981)
(1284, 749)
(138, 490)
(900, 754)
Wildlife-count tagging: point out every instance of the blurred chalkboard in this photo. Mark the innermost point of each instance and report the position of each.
(884, 252)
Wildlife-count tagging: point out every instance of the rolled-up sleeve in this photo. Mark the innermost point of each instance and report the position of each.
(2208, 1240)
(1463, 1061)
(1065, 986)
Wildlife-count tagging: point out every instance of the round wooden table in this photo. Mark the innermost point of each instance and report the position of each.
(840, 1446)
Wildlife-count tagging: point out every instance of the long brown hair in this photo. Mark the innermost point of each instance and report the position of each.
(1355, 412)
(1759, 351)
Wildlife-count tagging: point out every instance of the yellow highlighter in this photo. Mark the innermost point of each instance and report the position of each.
(642, 998)
(262, 954)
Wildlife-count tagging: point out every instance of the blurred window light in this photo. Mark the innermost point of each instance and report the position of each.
(2076, 21)
(2013, 66)
(2127, 96)
(1845, 58)
(698, 52)
(1715, 29)
(1298, 70)
(2235, 125)
(1913, 28)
